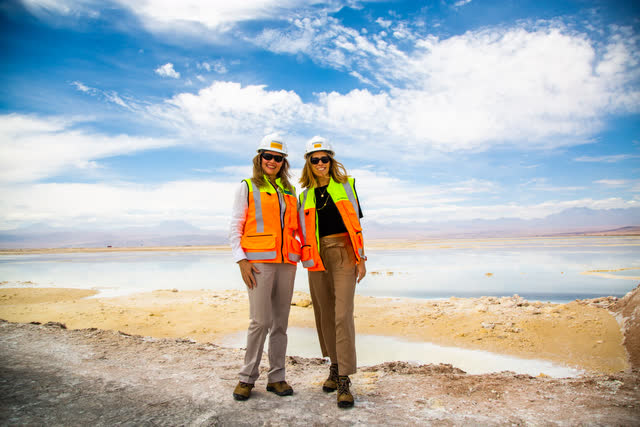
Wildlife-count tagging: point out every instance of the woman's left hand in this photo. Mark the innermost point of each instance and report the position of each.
(361, 271)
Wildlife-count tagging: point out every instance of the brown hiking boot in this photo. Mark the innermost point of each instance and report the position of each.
(331, 384)
(242, 391)
(281, 388)
(345, 398)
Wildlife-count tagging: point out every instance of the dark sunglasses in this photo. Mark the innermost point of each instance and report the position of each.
(269, 156)
(316, 160)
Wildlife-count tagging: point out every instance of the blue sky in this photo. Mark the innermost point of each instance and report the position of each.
(116, 113)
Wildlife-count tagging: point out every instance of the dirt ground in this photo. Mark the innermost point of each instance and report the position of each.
(583, 335)
(55, 376)
(165, 368)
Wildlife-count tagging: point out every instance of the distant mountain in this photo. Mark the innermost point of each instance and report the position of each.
(623, 231)
(168, 233)
(570, 221)
(574, 221)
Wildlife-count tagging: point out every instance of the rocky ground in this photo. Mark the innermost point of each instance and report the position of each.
(580, 334)
(55, 376)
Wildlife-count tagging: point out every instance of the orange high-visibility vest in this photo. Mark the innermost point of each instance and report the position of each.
(344, 196)
(270, 229)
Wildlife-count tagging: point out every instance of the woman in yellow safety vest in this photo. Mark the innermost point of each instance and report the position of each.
(333, 253)
(264, 226)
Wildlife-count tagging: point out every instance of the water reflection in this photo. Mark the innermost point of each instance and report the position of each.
(544, 269)
(374, 349)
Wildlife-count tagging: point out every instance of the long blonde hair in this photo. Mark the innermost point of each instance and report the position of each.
(337, 171)
(283, 173)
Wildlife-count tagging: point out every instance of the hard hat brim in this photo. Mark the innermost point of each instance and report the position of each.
(318, 149)
(260, 150)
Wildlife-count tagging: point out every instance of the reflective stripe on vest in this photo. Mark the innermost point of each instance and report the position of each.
(301, 213)
(287, 247)
(340, 195)
(354, 203)
(308, 263)
(352, 198)
(294, 257)
(254, 256)
(257, 203)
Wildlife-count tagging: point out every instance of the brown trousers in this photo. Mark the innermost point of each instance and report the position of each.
(269, 305)
(332, 293)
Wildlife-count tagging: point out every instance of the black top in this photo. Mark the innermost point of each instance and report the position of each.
(329, 219)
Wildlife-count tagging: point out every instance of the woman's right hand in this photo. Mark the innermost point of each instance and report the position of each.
(246, 270)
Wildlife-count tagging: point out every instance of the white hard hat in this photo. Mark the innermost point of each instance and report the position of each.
(318, 143)
(273, 142)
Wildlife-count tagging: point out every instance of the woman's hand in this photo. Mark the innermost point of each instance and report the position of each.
(246, 270)
(361, 271)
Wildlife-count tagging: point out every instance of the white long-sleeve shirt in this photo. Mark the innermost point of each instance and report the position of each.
(239, 217)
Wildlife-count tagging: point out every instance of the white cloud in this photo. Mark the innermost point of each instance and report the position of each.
(167, 70)
(125, 204)
(613, 182)
(461, 3)
(230, 117)
(63, 7)
(542, 184)
(533, 86)
(614, 158)
(110, 96)
(32, 147)
(217, 66)
(536, 85)
(385, 23)
(115, 98)
(385, 199)
(81, 87)
(216, 15)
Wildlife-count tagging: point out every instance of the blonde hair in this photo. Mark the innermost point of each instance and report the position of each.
(283, 173)
(337, 171)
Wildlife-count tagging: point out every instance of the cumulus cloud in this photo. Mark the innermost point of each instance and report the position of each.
(527, 88)
(167, 70)
(391, 200)
(229, 116)
(33, 147)
(534, 85)
(386, 200)
(124, 204)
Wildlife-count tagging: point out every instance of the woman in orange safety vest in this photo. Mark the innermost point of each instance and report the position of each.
(333, 253)
(264, 227)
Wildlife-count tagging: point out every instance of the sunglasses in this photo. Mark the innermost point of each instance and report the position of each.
(316, 160)
(269, 156)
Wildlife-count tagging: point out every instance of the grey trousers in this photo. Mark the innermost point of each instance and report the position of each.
(269, 306)
(332, 293)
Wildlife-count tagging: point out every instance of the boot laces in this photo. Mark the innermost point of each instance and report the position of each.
(343, 385)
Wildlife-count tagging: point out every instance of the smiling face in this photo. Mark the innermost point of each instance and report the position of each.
(271, 167)
(320, 169)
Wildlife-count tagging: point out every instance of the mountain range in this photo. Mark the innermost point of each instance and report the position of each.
(574, 221)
